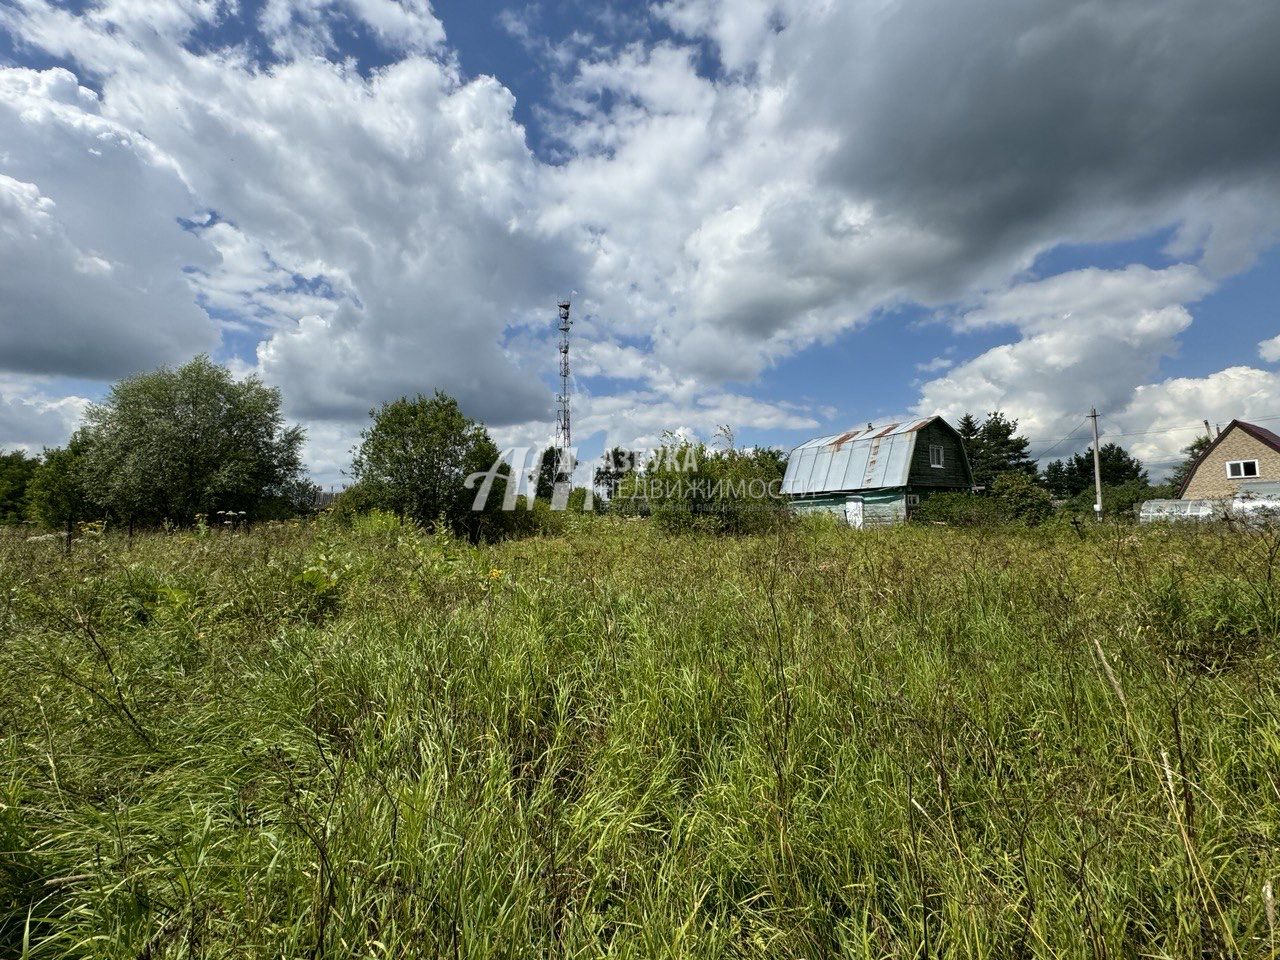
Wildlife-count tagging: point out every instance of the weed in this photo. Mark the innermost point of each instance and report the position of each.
(363, 740)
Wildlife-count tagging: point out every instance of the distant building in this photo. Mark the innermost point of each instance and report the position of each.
(877, 474)
(326, 498)
(1239, 457)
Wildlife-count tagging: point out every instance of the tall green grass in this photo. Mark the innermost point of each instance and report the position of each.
(311, 742)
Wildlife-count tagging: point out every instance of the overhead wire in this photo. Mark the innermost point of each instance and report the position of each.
(1190, 426)
(1144, 433)
(1061, 440)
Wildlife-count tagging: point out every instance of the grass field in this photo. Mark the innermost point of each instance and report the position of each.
(313, 742)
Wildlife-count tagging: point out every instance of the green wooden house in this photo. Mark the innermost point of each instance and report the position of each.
(877, 474)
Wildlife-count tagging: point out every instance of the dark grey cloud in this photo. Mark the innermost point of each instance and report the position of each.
(91, 251)
(1013, 124)
(846, 157)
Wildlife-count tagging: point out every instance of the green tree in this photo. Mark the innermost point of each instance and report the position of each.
(995, 447)
(172, 444)
(545, 474)
(969, 428)
(415, 458)
(689, 485)
(1021, 500)
(16, 470)
(1191, 454)
(615, 465)
(58, 494)
(1067, 478)
(1057, 480)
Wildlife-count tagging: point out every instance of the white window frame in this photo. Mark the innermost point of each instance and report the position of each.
(940, 461)
(1242, 475)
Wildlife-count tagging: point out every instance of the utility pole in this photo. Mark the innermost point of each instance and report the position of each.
(1097, 467)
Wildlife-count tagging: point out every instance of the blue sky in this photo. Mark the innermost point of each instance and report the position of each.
(780, 215)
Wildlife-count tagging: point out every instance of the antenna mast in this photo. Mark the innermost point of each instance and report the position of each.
(564, 441)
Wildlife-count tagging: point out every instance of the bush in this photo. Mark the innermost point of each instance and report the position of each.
(958, 510)
(1020, 500)
(1014, 499)
(534, 520)
(689, 486)
(1119, 502)
(297, 498)
(359, 498)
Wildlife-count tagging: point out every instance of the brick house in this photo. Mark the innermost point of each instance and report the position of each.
(1241, 453)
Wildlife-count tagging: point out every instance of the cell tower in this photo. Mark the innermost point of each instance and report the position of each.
(564, 441)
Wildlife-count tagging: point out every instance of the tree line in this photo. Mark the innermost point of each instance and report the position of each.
(170, 447)
(1010, 486)
(194, 445)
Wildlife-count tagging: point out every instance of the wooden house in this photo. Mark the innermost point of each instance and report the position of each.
(877, 474)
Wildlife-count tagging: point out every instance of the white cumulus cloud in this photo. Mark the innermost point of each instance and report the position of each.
(355, 232)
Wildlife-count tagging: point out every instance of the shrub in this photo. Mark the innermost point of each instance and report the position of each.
(958, 510)
(690, 486)
(1119, 502)
(360, 497)
(1020, 500)
(533, 520)
(1014, 499)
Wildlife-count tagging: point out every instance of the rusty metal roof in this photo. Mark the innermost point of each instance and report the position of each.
(866, 458)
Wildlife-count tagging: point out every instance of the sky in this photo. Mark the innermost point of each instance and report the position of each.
(788, 217)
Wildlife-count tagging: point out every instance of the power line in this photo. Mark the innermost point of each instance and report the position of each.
(1193, 426)
(1060, 441)
(1143, 433)
(1199, 427)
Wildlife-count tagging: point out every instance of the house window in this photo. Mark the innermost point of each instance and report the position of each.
(1242, 469)
(937, 455)
(913, 499)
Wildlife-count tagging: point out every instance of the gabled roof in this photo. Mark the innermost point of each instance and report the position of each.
(1261, 434)
(862, 459)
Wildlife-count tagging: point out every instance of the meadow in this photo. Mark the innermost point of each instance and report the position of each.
(320, 741)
